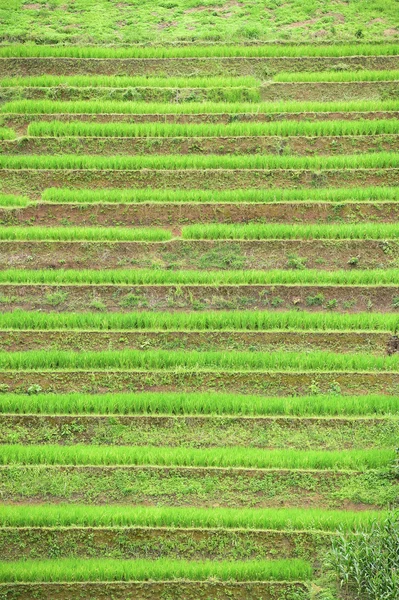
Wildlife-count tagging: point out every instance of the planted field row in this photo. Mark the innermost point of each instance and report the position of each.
(64, 515)
(199, 487)
(200, 432)
(208, 403)
(201, 232)
(281, 128)
(211, 51)
(194, 82)
(206, 360)
(253, 458)
(253, 321)
(26, 111)
(145, 570)
(270, 341)
(154, 277)
(381, 160)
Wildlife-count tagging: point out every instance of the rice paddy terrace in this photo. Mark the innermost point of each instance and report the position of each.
(199, 294)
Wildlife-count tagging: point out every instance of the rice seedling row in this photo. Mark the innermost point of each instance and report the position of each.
(208, 403)
(211, 51)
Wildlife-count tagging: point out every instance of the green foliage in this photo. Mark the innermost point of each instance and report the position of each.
(367, 563)
(145, 570)
(192, 457)
(278, 128)
(337, 76)
(66, 515)
(378, 160)
(110, 195)
(84, 233)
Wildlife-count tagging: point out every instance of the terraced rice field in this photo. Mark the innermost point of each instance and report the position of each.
(199, 294)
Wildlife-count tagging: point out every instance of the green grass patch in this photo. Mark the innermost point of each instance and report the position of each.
(379, 160)
(121, 81)
(213, 278)
(251, 458)
(34, 360)
(6, 133)
(256, 231)
(196, 321)
(279, 128)
(197, 403)
(13, 201)
(192, 51)
(251, 195)
(26, 107)
(85, 233)
(156, 570)
(66, 515)
(338, 76)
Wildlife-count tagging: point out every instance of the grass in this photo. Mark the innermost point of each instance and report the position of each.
(156, 570)
(251, 458)
(128, 82)
(194, 321)
(27, 107)
(35, 360)
(64, 515)
(192, 51)
(251, 195)
(197, 403)
(213, 278)
(256, 231)
(184, 22)
(11, 201)
(378, 160)
(279, 128)
(338, 76)
(6, 133)
(85, 233)
(371, 231)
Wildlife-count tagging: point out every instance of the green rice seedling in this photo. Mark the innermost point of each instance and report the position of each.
(84, 233)
(26, 107)
(34, 360)
(153, 570)
(279, 128)
(66, 515)
(194, 321)
(6, 133)
(127, 82)
(11, 201)
(254, 458)
(379, 160)
(251, 195)
(198, 403)
(338, 76)
(256, 231)
(212, 278)
(192, 51)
